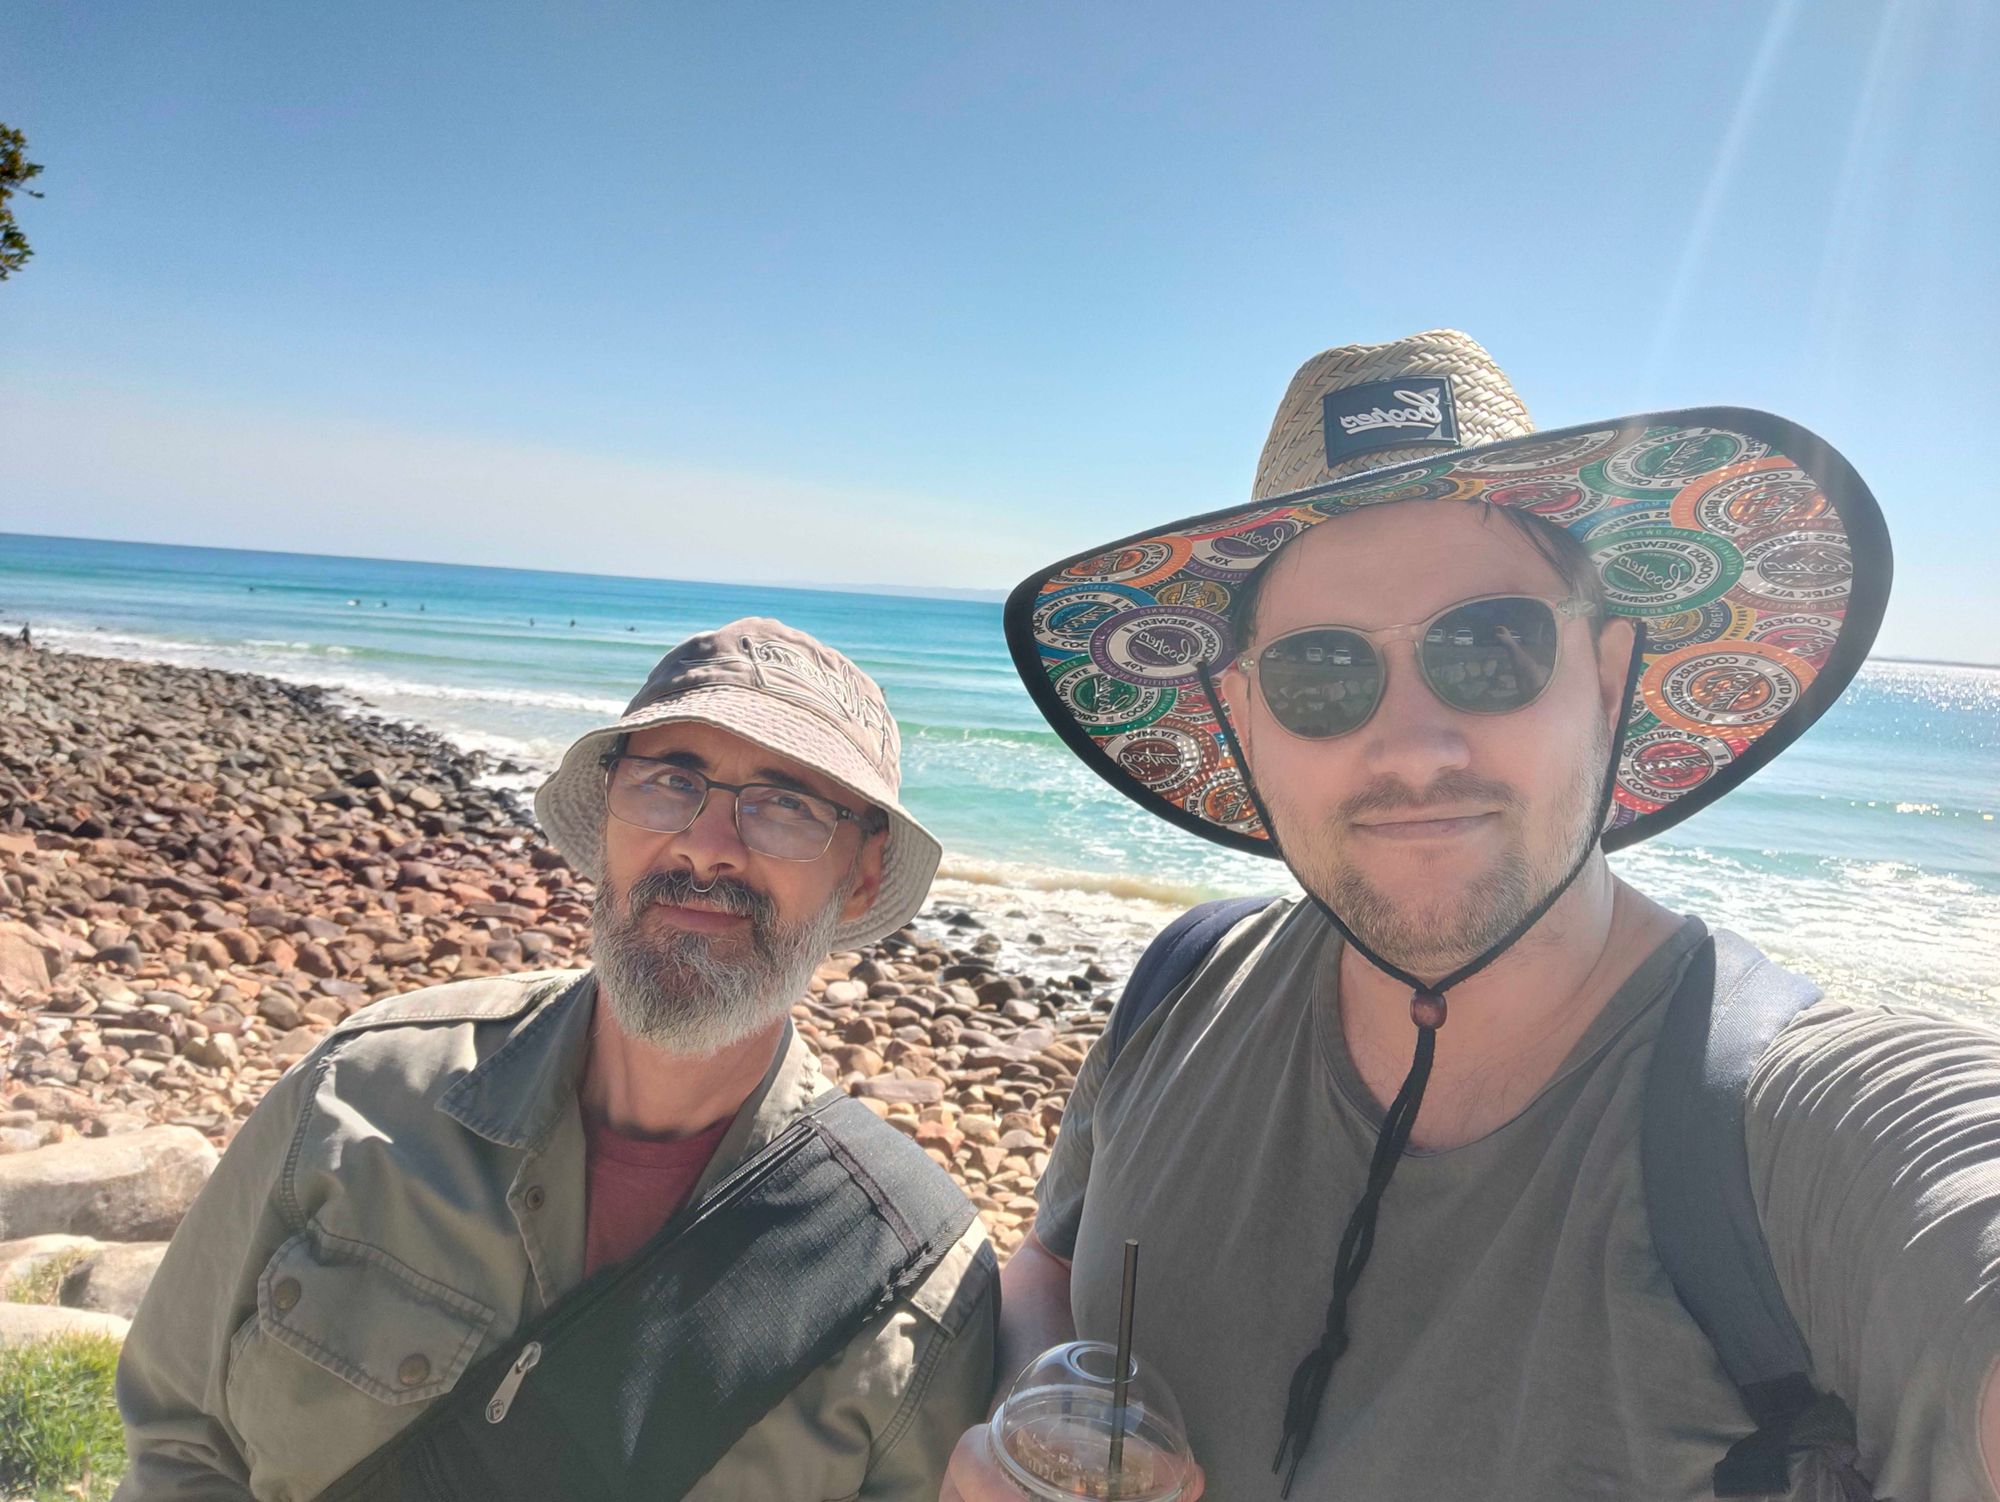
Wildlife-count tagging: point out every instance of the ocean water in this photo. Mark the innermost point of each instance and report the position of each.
(1868, 855)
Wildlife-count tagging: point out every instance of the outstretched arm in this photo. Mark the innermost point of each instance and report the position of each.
(1874, 1142)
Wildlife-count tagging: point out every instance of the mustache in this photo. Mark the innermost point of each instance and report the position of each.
(1389, 795)
(677, 889)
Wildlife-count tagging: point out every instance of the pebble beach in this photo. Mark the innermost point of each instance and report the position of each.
(203, 872)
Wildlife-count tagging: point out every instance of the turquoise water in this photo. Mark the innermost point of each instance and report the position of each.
(1869, 853)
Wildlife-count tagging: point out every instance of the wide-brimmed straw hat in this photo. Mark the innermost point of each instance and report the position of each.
(1751, 551)
(780, 689)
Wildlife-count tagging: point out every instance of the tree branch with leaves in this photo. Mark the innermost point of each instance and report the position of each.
(15, 171)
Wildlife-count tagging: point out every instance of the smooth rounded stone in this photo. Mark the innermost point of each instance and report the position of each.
(21, 1257)
(280, 1010)
(127, 955)
(24, 1324)
(856, 1058)
(135, 1186)
(845, 993)
(979, 1128)
(888, 1088)
(173, 1001)
(105, 935)
(114, 1279)
(242, 946)
(217, 1051)
(997, 991)
(296, 1044)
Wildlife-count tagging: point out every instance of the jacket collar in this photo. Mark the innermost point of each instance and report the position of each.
(517, 1094)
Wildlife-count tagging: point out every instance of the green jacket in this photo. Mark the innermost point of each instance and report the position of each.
(405, 1198)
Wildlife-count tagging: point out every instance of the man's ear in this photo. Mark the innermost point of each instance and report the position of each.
(867, 875)
(1233, 684)
(1614, 666)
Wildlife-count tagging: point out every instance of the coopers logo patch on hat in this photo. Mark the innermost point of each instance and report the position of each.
(1402, 413)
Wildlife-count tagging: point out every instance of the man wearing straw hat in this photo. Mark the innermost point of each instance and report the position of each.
(601, 1234)
(1475, 1172)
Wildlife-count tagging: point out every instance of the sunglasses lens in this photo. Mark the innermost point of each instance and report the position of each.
(1491, 656)
(1319, 684)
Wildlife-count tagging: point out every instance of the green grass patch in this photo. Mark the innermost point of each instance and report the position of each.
(42, 1283)
(60, 1438)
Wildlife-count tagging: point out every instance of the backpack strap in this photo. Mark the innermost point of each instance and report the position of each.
(1702, 1210)
(640, 1379)
(1170, 959)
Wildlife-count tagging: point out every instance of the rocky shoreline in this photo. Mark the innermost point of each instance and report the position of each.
(202, 872)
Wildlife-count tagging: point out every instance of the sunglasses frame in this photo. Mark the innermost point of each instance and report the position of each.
(1572, 608)
(609, 761)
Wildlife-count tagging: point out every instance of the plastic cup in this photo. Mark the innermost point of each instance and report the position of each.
(1053, 1435)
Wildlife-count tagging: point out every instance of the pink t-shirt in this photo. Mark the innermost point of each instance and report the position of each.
(633, 1185)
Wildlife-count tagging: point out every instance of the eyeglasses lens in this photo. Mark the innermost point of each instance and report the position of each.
(1490, 656)
(777, 821)
(773, 821)
(1321, 683)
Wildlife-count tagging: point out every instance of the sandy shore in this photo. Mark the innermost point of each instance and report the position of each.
(202, 872)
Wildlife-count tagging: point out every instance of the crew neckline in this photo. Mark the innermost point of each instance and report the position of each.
(1648, 986)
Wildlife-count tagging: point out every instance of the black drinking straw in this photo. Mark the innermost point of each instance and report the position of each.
(1125, 1300)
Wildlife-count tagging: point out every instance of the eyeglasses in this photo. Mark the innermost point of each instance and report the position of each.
(1486, 656)
(661, 795)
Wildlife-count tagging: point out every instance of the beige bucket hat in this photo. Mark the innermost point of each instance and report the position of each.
(795, 696)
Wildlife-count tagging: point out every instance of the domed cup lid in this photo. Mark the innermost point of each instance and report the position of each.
(1053, 1435)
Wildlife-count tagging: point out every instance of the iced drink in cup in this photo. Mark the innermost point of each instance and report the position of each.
(1054, 1435)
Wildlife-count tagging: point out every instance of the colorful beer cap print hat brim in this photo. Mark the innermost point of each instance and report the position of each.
(1752, 552)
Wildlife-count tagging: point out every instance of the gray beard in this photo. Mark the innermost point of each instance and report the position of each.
(1434, 936)
(675, 992)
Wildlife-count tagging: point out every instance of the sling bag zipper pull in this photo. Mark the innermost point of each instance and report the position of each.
(503, 1395)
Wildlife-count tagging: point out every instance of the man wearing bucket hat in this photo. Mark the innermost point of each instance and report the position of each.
(601, 1234)
(1474, 1172)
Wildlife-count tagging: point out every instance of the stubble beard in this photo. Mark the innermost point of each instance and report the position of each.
(674, 990)
(1434, 935)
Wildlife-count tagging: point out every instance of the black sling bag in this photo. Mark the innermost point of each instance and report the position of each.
(639, 1380)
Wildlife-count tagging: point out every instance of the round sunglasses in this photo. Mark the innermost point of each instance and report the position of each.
(1491, 655)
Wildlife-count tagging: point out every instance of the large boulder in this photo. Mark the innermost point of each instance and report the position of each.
(134, 1186)
(114, 1279)
(23, 1324)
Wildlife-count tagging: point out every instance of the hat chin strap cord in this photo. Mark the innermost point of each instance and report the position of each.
(1427, 1011)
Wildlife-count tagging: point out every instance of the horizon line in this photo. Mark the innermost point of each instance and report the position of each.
(975, 593)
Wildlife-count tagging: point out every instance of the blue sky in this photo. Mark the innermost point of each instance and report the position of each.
(920, 293)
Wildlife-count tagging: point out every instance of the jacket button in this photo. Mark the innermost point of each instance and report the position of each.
(534, 1199)
(285, 1294)
(413, 1370)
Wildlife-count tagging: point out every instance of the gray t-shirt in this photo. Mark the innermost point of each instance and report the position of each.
(1514, 1335)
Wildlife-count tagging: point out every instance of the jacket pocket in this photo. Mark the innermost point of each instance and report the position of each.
(372, 1321)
